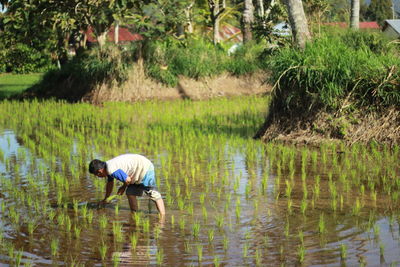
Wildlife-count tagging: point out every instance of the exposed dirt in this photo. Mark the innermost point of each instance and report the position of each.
(357, 127)
(139, 87)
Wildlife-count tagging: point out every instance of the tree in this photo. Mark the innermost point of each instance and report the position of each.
(217, 7)
(248, 20)
(355, 14)
(380, 10)
(298, 22)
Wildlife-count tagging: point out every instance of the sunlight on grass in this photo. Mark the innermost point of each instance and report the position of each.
(11, 84)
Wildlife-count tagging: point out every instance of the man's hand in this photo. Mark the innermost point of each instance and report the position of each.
(121, 190)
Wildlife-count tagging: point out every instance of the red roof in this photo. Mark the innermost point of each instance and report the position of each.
(363, 24)
(124, 35)
(369, 25)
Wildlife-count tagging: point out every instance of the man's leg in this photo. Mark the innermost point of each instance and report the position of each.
(160, 206)
(132, 202)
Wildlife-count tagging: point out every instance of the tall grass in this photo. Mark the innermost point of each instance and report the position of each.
(196, 58)
(337, 69)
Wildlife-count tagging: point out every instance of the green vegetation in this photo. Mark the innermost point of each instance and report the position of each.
(11, 84)
(334, 70)
(197, 58)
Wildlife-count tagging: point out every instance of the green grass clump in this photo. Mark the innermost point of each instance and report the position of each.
(335, 69)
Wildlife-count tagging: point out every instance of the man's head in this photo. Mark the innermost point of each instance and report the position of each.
(98, 168)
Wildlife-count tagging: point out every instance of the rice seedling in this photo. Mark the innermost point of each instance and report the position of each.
(146, 225)
(103, 251)
(182, 223)
(205, 213)
(245, 250)
(116, 259)
(210, 235)
(301, 253)
(196, 229)
(54, 245)
(77, 231)
(18, 258)
(90, 216)
(31, 227)
(103, 221)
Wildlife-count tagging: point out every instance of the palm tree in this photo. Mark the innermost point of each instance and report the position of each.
(298, 22)
(248, 20)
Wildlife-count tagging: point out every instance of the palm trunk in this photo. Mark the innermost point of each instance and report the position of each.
(355, 14)
(248, 19)
(298, 22)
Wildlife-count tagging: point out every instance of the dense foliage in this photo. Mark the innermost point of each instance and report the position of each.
(335, 70)
(197, 58)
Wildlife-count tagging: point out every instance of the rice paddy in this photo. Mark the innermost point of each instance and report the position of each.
(230, 200)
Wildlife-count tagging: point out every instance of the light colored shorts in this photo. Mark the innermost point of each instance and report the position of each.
(141, 190)
(147, 187)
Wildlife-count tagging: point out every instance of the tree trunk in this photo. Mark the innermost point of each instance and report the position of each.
(217, 37)
(217, 7)
(188, 14)
(101, 39)
(116, 32)
(248, 20)
(260, 8)
(355, 14)
(298, 22)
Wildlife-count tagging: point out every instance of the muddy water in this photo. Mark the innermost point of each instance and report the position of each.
(234, 211)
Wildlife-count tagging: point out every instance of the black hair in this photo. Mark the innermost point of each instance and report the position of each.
(96, 165)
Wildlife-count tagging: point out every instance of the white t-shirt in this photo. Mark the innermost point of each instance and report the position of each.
(132, 165)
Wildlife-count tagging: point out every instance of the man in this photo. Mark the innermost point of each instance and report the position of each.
(137, 174)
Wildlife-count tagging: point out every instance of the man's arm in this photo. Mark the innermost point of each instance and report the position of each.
(127, 182)
(109, 188)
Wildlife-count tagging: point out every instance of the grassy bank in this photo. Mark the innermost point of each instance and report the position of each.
(347, 76)
(358, 67)
(163, 62)
(11, 84)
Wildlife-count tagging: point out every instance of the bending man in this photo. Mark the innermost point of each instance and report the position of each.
(137, 174)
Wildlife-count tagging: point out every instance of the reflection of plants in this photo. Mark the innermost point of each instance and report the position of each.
(103, 250)
(134, 241)
(343, 251)
(160, 256)
(200, 252)
(301, 253)
(321, 224)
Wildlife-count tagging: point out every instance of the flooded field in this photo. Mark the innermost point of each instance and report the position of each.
(230, 200)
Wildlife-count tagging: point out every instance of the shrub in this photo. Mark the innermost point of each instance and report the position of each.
(83, 72)
(196, 58)
(24, 59)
